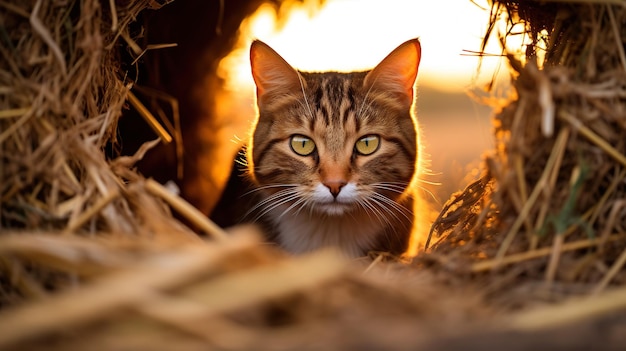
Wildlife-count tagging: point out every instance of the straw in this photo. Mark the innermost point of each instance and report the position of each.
(94, 255)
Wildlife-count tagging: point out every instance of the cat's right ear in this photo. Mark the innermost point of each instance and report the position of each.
(272, 75)
(396, 73)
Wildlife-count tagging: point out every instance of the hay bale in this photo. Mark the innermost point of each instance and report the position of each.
(551, 202)
(63, 91)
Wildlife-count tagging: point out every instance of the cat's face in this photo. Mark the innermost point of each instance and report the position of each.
(332, 143)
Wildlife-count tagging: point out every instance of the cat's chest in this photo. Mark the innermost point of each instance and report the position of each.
(354, 234)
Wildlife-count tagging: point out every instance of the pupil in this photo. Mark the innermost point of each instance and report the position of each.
(303, 143)
(367, 142)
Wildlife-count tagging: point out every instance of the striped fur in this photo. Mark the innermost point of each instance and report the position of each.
(372, 206)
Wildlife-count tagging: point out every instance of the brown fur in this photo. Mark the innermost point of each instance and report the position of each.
(336, 196)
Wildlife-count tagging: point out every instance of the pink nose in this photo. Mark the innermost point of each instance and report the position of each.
(334, 186)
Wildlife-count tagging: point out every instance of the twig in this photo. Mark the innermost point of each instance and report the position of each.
(124, 288)
(548, 191)
(130, 42)
(92, 211)
(18, 10)
(186, 210)
(593, 137)
(555, 255)
(150, 119)
(557, 152)
(545, 101)
(615, 268)
(233, 291)
(39, 28)
(173, 129)
(153, 47)
(570, 312)
(180, 313)
(79, 255)
(15, 126)
(16, 112)
(374, 263)
(617, 36)
(113, 15)
(22, 279)
(594, 212)
(529, 255)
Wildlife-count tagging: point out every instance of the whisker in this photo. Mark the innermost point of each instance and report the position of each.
(393, 184)
(377, 211)
(403, 184)
(273, 206)
(428, 182)
(389, 230)
(369, 210)
(386, 209)
(306, 101)
(360, 203)
(398, 207)
(270, 186)
(304, 204)
(395, 189)
(365, 102)
(280, 198)
(427, 191)
(296, 203)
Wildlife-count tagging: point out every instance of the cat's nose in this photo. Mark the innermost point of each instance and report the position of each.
(335, 186)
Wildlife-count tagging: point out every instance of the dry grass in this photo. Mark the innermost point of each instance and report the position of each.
(62, 92)
(92, 257)
(552, 198)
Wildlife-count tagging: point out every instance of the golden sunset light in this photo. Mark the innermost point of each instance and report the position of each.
(349, 35)
(312, 175)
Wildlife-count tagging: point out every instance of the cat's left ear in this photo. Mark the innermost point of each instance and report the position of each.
(396, 73)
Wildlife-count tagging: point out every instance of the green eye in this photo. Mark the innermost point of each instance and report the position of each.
(367, 145)
(302, 145)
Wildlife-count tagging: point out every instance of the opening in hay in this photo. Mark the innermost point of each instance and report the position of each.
(215, 89)
(91, 253)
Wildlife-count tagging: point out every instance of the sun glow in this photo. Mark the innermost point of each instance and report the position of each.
(346, 35)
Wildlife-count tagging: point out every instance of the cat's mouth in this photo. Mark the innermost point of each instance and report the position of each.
(334, 208)
(326, 203)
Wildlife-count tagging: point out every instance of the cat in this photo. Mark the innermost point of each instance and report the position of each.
(334, 158)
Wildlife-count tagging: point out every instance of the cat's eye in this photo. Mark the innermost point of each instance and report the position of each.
(367, 145)
(301, 145)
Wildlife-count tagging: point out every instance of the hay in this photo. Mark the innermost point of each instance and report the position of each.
(63, 91)
(552, 198)
(91, 256)
(61, 101)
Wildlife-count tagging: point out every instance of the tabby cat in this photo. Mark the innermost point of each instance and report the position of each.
(334, 157)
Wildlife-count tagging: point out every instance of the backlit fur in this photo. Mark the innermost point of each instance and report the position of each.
(374, 208)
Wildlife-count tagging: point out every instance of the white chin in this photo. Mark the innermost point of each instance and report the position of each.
(334, 209)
